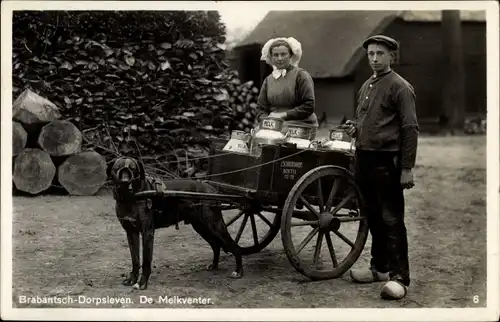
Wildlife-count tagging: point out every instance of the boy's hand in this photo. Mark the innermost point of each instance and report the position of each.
(350, 127)
(407, 179)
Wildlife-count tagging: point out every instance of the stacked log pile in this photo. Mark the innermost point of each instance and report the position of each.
(47, 150)
(159, 88)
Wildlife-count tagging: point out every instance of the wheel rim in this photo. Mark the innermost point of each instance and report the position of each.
(331, 213)
(252, 228)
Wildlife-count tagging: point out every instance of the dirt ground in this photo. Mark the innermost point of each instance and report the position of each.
(74, 246)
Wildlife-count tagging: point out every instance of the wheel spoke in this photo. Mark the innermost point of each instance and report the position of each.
(254, 229)
(333, 192)
(341, 204)
(240, 231)
(331, 249)
(320, 197)
(307, 239)
(304, 223)
(308, 206)
(344, 238)
(230, 222)
(264, 219)
(318, 248)
(348, 219)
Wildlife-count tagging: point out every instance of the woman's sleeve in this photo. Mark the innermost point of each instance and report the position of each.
(263, 108)
(305, 97)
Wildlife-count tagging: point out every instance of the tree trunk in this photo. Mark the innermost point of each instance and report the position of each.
(31, 108)
(454, 72)
(33, 171)
(83, 173)
(19, 138)
(60, 138)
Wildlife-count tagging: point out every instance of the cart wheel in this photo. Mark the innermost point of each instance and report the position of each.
(332, 200)
(252, 228)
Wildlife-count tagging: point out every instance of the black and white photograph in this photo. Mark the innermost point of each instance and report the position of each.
(250, 161)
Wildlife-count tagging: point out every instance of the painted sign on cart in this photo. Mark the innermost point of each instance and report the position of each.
(289, 169)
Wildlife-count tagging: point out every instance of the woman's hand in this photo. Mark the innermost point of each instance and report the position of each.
(278, 115)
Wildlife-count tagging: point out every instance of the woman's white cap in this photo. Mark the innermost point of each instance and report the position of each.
(292, 42)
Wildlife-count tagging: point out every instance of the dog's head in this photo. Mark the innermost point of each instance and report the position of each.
(127, 173)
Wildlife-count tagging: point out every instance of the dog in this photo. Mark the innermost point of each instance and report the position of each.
(143, 217)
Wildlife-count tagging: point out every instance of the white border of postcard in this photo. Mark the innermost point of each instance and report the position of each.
(490, 313)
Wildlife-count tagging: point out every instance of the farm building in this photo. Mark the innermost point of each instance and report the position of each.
(333, 55)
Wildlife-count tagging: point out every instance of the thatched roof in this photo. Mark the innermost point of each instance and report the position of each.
(331, 40)
(435, 16)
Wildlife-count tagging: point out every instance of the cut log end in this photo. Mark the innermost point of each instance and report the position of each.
(60, 138)
(83, 174)
(31, 108)
(19, 138)
(33, 171)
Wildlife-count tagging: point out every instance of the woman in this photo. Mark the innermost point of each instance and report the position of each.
(288, 92)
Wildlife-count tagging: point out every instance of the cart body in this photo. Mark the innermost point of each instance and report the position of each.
(270, 176)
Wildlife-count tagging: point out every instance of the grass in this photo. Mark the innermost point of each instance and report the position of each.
(65, 245)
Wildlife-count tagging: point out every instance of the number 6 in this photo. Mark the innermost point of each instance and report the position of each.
(475, 299)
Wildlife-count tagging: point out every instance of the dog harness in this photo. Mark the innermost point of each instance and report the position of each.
(150, 183)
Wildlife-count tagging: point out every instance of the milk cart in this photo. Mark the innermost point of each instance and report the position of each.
(311, 190)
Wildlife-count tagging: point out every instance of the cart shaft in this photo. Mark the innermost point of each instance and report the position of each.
(187, 195)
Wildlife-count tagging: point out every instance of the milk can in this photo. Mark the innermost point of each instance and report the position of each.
(299, 135)
(269, 132)
(238, 143)
(339, 140)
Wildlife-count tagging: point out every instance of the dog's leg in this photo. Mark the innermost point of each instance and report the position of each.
(211, 240)
(215, 261)
(148, 234)
(147, 258)
(228, 244)
(235, 249)
(133, 245)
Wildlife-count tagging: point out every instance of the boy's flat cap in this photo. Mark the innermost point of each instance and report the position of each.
(381, 39)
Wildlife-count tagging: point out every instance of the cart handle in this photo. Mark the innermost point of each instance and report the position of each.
(186, 194)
